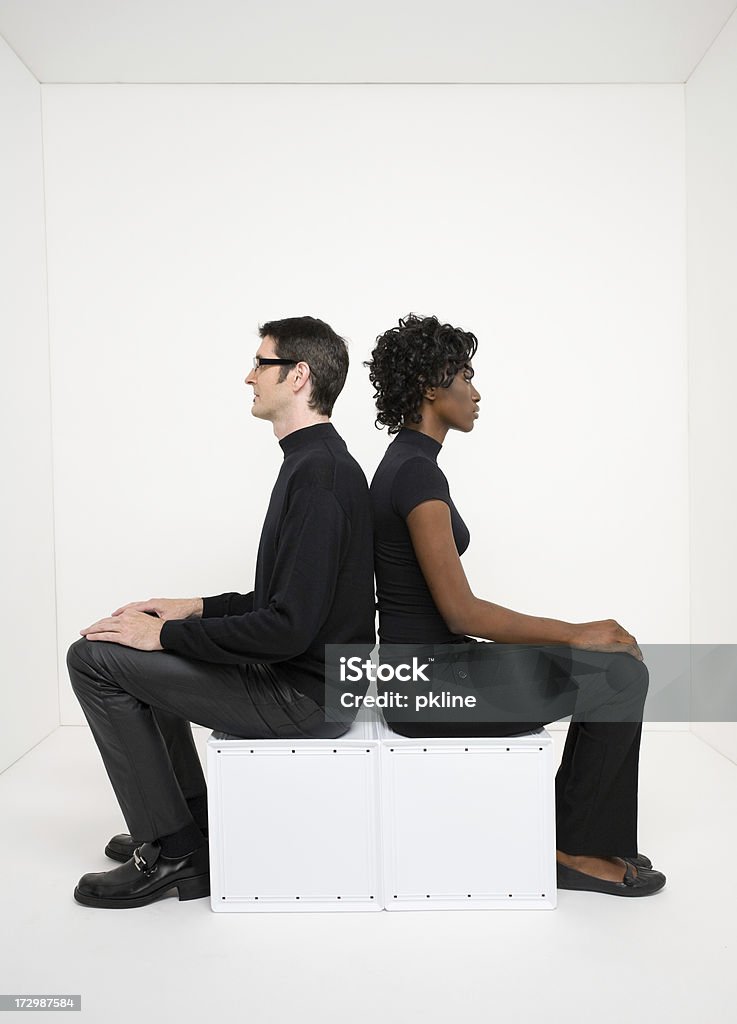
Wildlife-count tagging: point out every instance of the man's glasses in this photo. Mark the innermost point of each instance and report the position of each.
(262, 361)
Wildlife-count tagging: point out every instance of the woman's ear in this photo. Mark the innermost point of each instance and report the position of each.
(429, 394)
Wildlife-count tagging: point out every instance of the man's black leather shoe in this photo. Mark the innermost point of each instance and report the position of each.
(121, 847)
(146, 877)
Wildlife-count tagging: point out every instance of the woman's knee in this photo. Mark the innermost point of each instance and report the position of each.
(629, 674)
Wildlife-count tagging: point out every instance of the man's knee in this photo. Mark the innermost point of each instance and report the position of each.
(76, 654)
(77, 661)
(85, 662)
(83, 652)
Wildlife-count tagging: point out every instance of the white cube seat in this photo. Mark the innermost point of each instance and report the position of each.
(468, 823)
(294, 823)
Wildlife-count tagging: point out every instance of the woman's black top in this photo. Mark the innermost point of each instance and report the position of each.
(406, 476)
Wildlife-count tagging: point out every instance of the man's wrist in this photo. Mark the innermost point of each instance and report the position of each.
(197, 606)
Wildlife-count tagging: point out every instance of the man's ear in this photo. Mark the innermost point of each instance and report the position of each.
(429, 394)
(301, 375)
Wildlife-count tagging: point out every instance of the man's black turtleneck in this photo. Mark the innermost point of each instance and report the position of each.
(314, 572)
(406, 476)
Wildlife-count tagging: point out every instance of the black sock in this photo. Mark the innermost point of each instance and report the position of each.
(198, 809)
(178, 844)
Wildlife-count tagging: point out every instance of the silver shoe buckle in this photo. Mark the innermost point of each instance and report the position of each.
(140, 862)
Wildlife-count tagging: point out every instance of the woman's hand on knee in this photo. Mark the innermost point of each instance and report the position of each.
(605, 635)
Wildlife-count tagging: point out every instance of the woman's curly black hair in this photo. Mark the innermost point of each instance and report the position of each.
(419, 353)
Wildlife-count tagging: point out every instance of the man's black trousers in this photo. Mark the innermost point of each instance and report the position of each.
(139, 705)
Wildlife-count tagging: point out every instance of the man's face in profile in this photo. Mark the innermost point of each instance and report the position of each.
(270, 394)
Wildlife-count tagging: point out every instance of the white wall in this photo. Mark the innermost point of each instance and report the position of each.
(29, 686)
(548, 220)
(711, 101)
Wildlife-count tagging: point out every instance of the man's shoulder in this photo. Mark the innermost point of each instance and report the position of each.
(329, 466)
(314, 467)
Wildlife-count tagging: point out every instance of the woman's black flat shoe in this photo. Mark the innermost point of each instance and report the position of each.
(640, 861)
(146, 877)
(644, 883)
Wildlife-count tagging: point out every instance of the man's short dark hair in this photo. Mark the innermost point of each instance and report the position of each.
(306, 339)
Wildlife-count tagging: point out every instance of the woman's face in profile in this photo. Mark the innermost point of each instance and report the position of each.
(458, 404)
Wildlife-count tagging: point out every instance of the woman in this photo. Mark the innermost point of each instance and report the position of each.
(422, 374)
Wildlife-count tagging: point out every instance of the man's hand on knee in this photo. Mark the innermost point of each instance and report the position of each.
(166, 607)
(131, 628)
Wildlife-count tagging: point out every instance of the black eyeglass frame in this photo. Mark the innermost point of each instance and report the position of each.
(264, 361)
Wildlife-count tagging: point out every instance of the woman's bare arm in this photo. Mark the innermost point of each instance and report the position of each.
(431, 533)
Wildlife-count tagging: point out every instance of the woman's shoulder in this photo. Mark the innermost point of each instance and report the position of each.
(402, 462)
(418, 479)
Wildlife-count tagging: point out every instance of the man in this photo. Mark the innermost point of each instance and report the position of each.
(251, 665)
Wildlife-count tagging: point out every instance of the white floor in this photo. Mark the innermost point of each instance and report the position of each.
(595, 959)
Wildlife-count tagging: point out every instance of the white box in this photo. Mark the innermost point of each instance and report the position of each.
(468, 823)
(294, 824)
